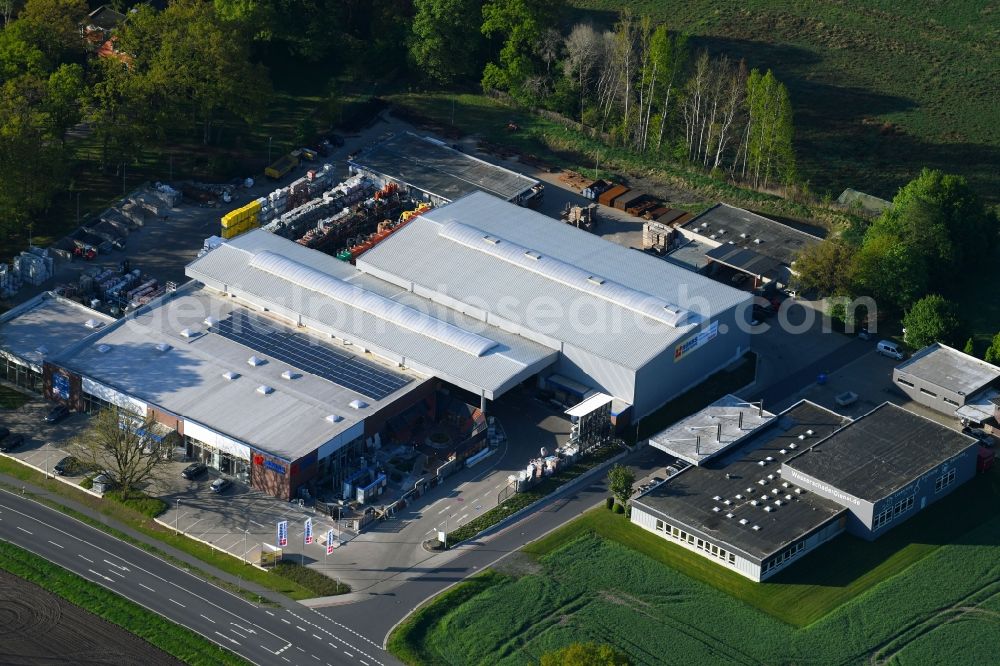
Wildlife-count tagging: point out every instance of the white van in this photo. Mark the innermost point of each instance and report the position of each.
(891, 349)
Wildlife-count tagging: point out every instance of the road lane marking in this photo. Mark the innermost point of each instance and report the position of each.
(285, 621)
(103, 537)
(230, 638)
(24, 530)
(443, 510)
(149, 588)
(117, 566)
(117, 573)
(100, 575)
(239, 634)
(55, 544)
(319, 638)
(207, 618)
(287, 659)
(349, 654)
(269, 613)
(242, 628)
(300, 628)
(177, 602)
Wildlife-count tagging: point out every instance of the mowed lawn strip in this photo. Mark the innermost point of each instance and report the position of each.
(173, 639)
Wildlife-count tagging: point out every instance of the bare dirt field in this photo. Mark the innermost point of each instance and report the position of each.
(37, 627)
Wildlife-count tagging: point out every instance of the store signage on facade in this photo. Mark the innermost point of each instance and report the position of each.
(268, 464)
(60, 385)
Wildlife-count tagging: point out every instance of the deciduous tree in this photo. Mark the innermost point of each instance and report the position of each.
(825, 267)
(445, 39)
(620, 482)
(120, 444)
(931, 319)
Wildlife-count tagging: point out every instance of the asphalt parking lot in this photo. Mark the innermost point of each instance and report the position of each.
(44, 443)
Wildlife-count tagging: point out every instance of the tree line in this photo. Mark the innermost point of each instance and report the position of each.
(642, 83)
(916, 259)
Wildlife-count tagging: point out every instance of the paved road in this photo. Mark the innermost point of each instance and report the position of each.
(262, 635)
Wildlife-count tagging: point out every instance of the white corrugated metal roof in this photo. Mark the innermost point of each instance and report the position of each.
(434, 254)
(509, 361)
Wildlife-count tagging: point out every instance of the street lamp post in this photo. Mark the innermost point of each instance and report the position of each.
(245, 561)
(269, 150)
(177, 512)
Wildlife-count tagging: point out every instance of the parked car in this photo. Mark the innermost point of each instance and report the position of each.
(891, 349)
(70, 465)
(194, 470)
(864, 334)
(11, 442)
(221, 485)
(58, 413)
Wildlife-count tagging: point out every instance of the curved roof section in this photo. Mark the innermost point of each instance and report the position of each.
(571, 276)
(372, 303)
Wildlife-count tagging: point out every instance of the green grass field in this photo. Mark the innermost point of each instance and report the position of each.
(173, 639)
(913, 597)
(880, 88)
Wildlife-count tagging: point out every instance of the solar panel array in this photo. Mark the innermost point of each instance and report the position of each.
(310, 355)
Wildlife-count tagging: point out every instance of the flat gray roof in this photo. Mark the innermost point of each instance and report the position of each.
(334, 298)
(949, 368)
(45, 325)
(880, 452)
(711, 431)
(187, 379)
(728, 223)
(689, 498)
(549, 281)
(433, 167)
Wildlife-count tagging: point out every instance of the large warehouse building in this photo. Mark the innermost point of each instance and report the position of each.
(799, 479)
(429, 169)
(277, 363)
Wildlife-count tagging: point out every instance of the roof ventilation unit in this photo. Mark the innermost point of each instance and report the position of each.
(799, 491)
(783, 451)
(753, 502)
(793, 446)
(739, 497)
(769, 459)
(761, 463)
(210, 321)
(491, 240)
(716, 509)
(729, 515)
(743, 235)
(334, 418)
(756, 241)
(777, 502)
(163, 347)
(264, 389)
(595, 279)
(809, 432)
(189, 333)
(802, 438)
(104, 349)
(358, 404)
(717, 498)
(788, 498)
(770, 477)
(726, 502)
(92, 323)
(743, 521)
(288, 374)
(768, 509)
(229, 375)
(764, 498)
(762, 482)
(256, 361)
(756, 528)
(749, 490)
(531, 254)
(785, 484)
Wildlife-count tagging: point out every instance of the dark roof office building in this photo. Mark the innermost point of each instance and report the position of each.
(886, 466)
(803, 478)
(738, 510)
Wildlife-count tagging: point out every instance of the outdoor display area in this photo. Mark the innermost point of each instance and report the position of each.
(561, 590)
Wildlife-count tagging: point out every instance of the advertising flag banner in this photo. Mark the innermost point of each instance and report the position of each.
(282, 534)
(329, 542)
(307, 534)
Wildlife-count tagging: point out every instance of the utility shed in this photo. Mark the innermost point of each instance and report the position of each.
(885, 466)
(944, 378)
